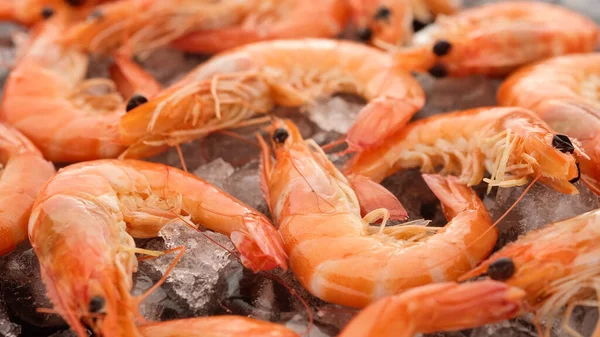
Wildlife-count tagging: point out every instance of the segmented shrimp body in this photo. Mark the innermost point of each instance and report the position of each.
(23, 171)
(557, 266)
(565, 92)
(143, 25)
(437, 307)
(494, 39)
(513, 144)
(67, 117)
(217, 326)
(270, 20)
(328, 241)
(389, 23)
(83, 221)
(234, 86)
(29, 12)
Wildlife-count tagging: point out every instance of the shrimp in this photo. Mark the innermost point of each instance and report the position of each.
(236, 85)
(494, 39)
(23, 171)
(68, 118)
(437, 307)
(556, 266)
(218, 326)
(512, 144)
(271, 20)
(565, 92)
(389, 23)
(327, 241)
(83, 223)
(29, 12)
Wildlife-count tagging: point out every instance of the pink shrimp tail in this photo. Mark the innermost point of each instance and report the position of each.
(261, 247)
(377, 121)
(372, 196)
(437, 307)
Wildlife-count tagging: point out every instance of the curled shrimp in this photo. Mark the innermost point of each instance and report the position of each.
(218, 326)
(236, 85)
(557, 266)
(563, 91)
(327, 240)
(513, 144)
(143, 25)
(494, 39)
(23, 171)
(389, 23)
(270, 20)
(437, 307)
(83, 223)
(68, 118)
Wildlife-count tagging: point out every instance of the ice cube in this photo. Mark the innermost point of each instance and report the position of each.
(24, 290)
(335, 114)
(196, 280)
(540, 206)
(7, 328)
(244, 184)
(519, 327)
(216, 172)
(67, 333)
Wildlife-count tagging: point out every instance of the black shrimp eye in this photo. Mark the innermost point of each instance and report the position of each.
(501, 269)
(135, 101)
(563, 143)
(364, 34)
(383, 13)
(47, 12)
(442, 47)
(418, 25)
(96, 304)
(75, 3)
(438, 71)
(576, 179)
(280, 135)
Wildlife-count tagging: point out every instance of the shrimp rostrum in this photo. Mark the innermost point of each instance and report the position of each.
(83, 223)
(23, 171)
(319, 217)
(557, 267)
(236, 85)
(513, 144)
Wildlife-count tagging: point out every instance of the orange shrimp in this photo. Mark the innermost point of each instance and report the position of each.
(48, 100)
(82, 224)
(437, 307)
(23, 171)
(565, 92)
(494, 39)
(327, 241)
(218, 326)
(512, 144)
(556, 266)
(271, 20)
(389, 23)
(29, 12)
(236, 85)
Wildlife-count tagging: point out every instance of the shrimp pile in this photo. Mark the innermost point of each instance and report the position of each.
(333, 237)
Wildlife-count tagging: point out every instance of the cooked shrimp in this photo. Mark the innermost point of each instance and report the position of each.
(557, 266)
(236, 85)
(437, 307)
(389, 23)
(496, 38)
(218, 326)
(47, 98)
(270, 20)
(23, 171)
(82, 224)
(327, 241)
(143, 25)
(29, 12)
(512, 144)
(565, 92)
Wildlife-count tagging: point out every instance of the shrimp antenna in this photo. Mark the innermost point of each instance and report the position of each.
(169, 270)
